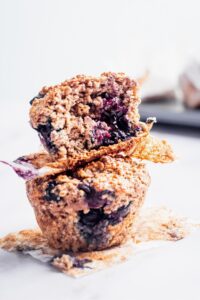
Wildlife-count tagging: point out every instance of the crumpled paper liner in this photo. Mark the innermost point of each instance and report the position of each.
(153, 228)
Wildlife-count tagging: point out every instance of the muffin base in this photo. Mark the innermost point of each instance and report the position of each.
(73, 218)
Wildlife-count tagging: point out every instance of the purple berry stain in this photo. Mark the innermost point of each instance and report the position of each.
(45, 135)
(113, 124)
(39, 96)
(101, 132)
(81, 263)
(23, 169)
(50, 195)
(94, 198)
(93, 224)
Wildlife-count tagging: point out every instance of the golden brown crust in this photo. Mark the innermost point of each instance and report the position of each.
(155, 150)
(120, 181)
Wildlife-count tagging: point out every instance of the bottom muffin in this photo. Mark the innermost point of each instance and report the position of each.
(90, 208)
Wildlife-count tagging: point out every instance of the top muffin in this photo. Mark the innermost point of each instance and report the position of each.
(85, 116)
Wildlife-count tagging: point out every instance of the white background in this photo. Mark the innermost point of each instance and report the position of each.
(44, 42)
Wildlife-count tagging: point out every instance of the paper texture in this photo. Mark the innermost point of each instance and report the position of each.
(154, 227)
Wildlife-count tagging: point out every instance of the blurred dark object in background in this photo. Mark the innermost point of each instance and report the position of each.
(172, 113)
(173, 105)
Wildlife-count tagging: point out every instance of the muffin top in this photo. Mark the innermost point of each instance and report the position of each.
(109, 183)
(86, 113)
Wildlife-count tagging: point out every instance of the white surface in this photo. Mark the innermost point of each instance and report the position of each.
(168, 273)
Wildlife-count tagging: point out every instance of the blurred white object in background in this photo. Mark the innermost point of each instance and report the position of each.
(44, 42)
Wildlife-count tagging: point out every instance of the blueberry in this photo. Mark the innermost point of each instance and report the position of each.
(118, 215)
(93, 197)
(122, 123)
(86, 188)
(103, 95)
(49, 194)
(92, 107)
(114, 115)
(94, 95)
(39, 96)
(108, 142)
(45, 135)
(77, 262)
(93, 225)
(93, 217)
(80, 263)
(22, 159)
(106, 95)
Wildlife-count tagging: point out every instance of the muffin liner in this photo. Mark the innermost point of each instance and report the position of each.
(154, 227)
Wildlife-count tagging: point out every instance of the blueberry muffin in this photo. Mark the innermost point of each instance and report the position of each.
(86, 117)
(90, 208)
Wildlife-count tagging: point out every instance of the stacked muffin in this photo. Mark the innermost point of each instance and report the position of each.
(94, 141)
